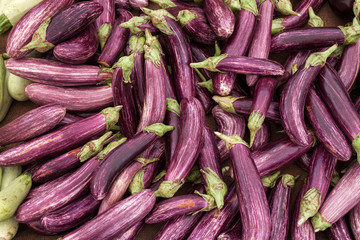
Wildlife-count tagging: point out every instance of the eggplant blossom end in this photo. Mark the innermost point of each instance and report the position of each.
(215, 186)
(319, 223)
(309, 205)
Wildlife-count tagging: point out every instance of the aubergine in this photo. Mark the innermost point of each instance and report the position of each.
(344, 8)
(304, 162)
(199, 54)
(69, 118)
(354, 221)
(80, 99)
(32, 124)
(37, 227)
(233, 233)
(339, 231)
(132, 232)
(203, 94)
(172, 118)
(104, 23)
(262, 137)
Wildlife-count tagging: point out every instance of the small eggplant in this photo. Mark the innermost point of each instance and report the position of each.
(104, 23)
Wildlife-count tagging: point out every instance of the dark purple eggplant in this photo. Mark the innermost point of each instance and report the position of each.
(80, 99)
(71, 215)
(116, 219)
(344, 7)
(340, 105)
(260, 45)
(56, 73)
(262, 137)
(339, 231)
(64, 26)
(233, 233)
(122, 155)
(60, 140)
(104, 23)
(131, 233)
(295, 61)
(256, 222)
(354, 220)
(22, 32)
(190, 143)
(32, 124)
(79, 49)
(116, 42)
(292, 102)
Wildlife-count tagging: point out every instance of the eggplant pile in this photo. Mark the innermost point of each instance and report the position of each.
(122, 135)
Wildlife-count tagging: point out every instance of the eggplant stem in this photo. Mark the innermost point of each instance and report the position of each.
(256, 119)
(310, 204)
(319, 223)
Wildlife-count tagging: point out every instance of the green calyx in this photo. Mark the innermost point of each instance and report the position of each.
(158, 19)
(234, 5)
(255, 122)
(351, 33)
(210, 202)
(285, 7)
(126, 63)
(309, 205)
(136, 44)
(4, 23)
(185, 16)
(172, 105)
(314, 20)
(356, 146)
(93, 147)
(38, 41)
(152, 49)
(167, 189)
(319, 58)
(194, 176)
(111, 116)
(294, 68)
(269, 181)
(137, 183)
(210, 63)
(159, 129)
(338, 51)
(335, 178)
(101, 155)
(217, 49)
(226, 103)
(103, 33)
(134, 22)
(214, 186)
(319, 223)
(208, 85)
(277, 26)
(164, 3)
(288, 180)
(231, 140)
(146, 161)
(249, 5)
(201, 76)
(159, 176)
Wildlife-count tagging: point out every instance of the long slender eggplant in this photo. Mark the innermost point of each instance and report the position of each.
(80, 99)
(228, 124)
(340, 105)
(132, 232)
(172, 118)
(116, 41)
(71, 215)
(256, 221)
(104, 23)
(354, 221)
(339, 231)
(69, 118)
(64, 26)
(154, 107)
(122, 155)
(22, 32)
(262, 137)
(56, 73)
(79, 49)
(260, 45)
(32, 124)
(178, 48)
(190, 143)
(292, 102)
(233, 233)
(116, 219)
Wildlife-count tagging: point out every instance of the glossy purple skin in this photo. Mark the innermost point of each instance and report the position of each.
(298, 58)
(116, 219)
(349, 65)
(263, 94)
(67, 191)
(172, 137)
(292, 104)
(122, 4)
(220, 17)
(131, 233)
(117, 160)
(169, 87)
(32, 124)
(191, 139)
(69, 118)
(304, 162)
(140, 81)
(344, 7)
(262, 137)
(71, 215)
(276, 155)
(80, 99)
(56, 167)
(116, 42)
(123, 94)
(204, 96)
(199, 55)
(234, 233)
(260, 45)
(228, 124)
(325, 128)
(108, 14)
(338, 102)
(137, 4)
(354, 220)
(79, 49)
(178, 48)
(339, 231)
(55, 142)
(250, 192)
(56, 73)
(217, 220)
(21, 33)
(150, 173)
(37, 227)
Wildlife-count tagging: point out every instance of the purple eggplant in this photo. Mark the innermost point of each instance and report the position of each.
(64, 26)
(132, 232)
(190, 143)
(228, 124)
(260, 46)
(199, 54)
(37, 227)
(80, 99)
(60, 140)
(116, 42)
(71, 215)
(256, 222)
(339, 231)
(233, 233)
(122, 4)
(203, 94)
(79, 49)
(22, 32)
(69, 118)
(354, 220)
(122, 155)
(56, 73)
(104, 23)
(172, 118)
(116, 219)
(295, 61)
(32, 124)
(262, 137)
(292, 102)
(176, 5)
(344, 8)
(340, 105)
(137, 4)
(304, 162)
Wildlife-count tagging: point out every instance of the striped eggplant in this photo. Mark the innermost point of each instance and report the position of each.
(339, 231)
(37, 227)
(203, 94)
(354, 221)
(172, 118)
(69, 118)
(104, 23)
(304, 162)
(262, 137)
(132, 232)
(233, 233)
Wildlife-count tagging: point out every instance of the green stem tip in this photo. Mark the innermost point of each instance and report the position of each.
(285, 7)
(103, 33)
(159, 129)
(270, 180)
(93, 147)
(38, 41)
(167, 189)
(226, 103)
(309, 205)
(231, 140)
(356, 146)
(158, 19)
(256, 119)
(319, 223)
(210, 63)
(111, 116)
(319, 58)
(314, 20)
(208, 85)
(215, 186)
